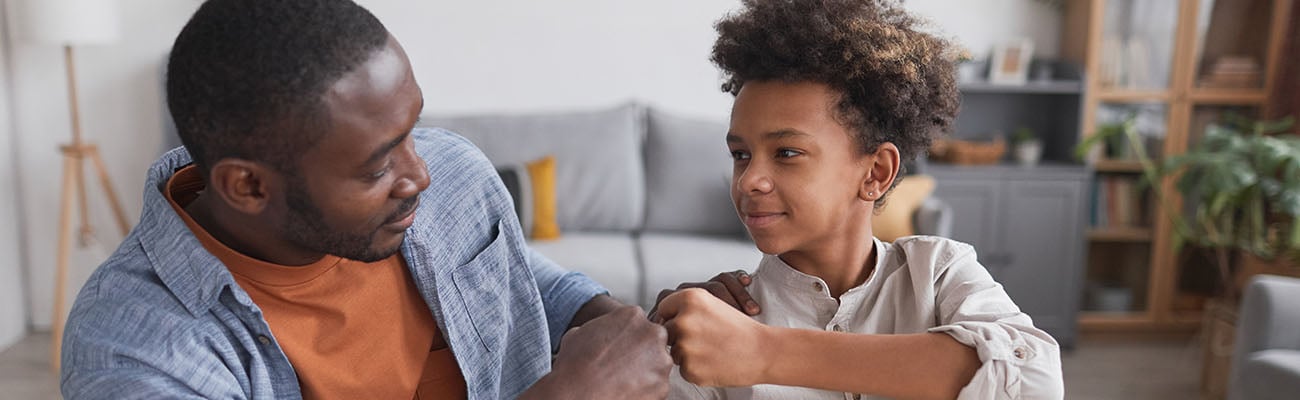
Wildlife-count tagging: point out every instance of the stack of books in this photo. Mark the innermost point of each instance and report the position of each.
(1119, 202)
(1233, 72)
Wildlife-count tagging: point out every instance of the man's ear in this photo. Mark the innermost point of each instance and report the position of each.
(881, 172)
(243, 185)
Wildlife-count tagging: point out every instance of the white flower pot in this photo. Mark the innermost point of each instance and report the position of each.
(1029, 153)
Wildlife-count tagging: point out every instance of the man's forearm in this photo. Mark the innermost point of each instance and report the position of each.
(915, 366)
(596, 307)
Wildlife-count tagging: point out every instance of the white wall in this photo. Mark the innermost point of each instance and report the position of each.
(13, 307)
(469, 56)
(981, 24)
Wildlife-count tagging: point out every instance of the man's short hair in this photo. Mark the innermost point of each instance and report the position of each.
(246, 78)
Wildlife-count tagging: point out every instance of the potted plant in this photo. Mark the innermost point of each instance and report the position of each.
(1243, 181)
(1028, 148)
(968, 69)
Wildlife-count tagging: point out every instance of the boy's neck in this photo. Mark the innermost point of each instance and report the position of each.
(843, 264)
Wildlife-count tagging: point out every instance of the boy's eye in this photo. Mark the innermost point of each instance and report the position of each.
(739, 155)
(786, 153)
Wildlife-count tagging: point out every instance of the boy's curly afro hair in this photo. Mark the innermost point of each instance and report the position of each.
(897, 82)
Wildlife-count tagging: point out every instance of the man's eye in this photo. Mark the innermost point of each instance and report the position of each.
(739, 155)
(787, 153)
(380, 173)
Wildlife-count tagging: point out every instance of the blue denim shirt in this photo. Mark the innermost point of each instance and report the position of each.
(163, 318)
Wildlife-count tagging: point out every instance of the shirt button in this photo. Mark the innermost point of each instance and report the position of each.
(1020, 353)
(263, 339)
(817, 286)
(837, 328)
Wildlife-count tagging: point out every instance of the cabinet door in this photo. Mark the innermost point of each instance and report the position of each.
(1044, 239)
(975, 218)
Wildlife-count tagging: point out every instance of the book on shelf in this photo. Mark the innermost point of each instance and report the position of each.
(1119, 202)
(1233, 72)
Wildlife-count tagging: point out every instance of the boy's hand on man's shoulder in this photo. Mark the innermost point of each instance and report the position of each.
(730, 287)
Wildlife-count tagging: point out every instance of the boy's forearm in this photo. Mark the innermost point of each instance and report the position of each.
(913, 366)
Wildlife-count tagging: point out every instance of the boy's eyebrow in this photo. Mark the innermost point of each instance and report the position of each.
(784, 133)
(773, 135)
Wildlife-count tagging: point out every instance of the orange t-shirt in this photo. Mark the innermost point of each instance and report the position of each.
(351, 330)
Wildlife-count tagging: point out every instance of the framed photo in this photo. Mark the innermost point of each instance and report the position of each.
(1010, 62)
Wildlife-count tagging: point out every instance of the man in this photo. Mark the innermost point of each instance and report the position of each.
(291, 248)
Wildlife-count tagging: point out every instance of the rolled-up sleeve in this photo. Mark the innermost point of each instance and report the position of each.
(563, 293)
(1019, 361)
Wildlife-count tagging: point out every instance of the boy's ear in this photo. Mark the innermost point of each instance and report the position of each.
(881, 172)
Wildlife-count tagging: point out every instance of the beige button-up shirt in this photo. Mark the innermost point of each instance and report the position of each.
(920, 284)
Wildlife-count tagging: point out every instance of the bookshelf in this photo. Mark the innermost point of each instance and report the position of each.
(1178, 65)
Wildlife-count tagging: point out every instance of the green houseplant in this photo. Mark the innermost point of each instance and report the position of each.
(1242, 180)
(1026, 146)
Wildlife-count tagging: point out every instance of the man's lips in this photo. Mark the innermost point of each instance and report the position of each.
(405, 219)
(758, 219)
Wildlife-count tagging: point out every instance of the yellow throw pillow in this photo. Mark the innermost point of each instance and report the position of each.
(894, 219)
(542, 174)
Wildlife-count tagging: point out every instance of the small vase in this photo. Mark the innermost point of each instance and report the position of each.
(970, 72)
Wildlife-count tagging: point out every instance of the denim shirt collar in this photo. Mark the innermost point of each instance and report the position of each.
(193, 275)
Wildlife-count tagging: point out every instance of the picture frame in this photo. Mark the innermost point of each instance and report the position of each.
(1010, 62)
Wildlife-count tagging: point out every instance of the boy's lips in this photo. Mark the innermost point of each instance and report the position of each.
(761, 219)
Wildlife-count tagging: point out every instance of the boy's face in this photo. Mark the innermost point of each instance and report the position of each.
(797, 171)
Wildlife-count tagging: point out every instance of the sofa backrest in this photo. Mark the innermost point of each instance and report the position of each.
(688, 176)
(599, 170)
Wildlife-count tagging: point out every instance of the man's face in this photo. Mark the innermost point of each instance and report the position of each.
(355, 191)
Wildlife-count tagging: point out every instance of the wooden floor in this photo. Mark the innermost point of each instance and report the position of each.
(1096, 369)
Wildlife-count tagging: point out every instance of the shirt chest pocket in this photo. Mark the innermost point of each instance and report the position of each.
(483, 284)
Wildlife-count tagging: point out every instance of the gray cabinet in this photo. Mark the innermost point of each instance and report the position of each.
(1027, 226)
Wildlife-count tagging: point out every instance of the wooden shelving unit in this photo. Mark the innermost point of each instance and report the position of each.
(1122, 234)
(1194, 44)
(1117, 166)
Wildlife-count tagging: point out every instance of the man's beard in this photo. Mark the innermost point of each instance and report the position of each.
(306, 227)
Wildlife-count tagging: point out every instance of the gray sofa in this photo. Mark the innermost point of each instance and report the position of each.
(1266, 360)
(642, 194)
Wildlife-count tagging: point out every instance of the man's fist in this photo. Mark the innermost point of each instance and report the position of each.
(620, 355)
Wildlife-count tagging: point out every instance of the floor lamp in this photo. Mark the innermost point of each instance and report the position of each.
(71, 23)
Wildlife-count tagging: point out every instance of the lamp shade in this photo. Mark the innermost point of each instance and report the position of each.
(69, 22)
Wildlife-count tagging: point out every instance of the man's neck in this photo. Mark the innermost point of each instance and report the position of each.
(248, 236)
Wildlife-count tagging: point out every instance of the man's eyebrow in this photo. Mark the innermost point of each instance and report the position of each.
(387, 147)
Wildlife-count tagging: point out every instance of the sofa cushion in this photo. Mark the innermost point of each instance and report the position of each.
(600, 182)
(688, 170)
(532, 187)
(894, 219)
(608, 258)
(1270, 374)
(670, 259)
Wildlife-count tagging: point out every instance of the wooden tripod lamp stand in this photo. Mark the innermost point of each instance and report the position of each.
(70, 23)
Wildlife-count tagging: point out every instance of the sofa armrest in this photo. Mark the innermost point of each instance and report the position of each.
(1267, 320)
(934, 218)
